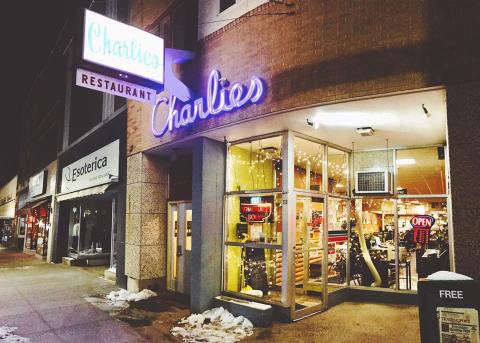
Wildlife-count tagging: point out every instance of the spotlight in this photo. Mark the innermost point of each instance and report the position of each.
(427, 114)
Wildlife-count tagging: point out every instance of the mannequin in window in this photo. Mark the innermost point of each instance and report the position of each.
(75, 233)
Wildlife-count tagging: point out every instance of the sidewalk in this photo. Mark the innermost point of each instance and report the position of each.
(46, 302)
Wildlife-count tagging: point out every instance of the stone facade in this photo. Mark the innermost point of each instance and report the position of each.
(146, 220)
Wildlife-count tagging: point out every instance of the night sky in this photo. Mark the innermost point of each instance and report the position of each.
(29, 30)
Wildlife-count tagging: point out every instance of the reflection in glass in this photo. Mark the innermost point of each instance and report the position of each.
(254, 271)
(421, 256)
(255, 165)
(337, 241)
(254, 218)
(337, 172)
(308, 252)
(421, 171)
(308, 164)
(372, 252)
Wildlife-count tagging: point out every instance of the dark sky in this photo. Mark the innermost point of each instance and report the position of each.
(28, 31)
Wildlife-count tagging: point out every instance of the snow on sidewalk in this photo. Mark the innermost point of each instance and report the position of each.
(213, 326)
(7, 335)
(118, 298)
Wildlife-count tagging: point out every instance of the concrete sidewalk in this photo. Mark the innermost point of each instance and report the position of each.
(46, 302)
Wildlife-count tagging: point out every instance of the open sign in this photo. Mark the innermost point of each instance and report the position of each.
(422, 222)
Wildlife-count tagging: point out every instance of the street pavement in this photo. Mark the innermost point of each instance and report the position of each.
(46, 302)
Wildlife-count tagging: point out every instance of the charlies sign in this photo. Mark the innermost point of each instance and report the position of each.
(218, 99)
(122, 47)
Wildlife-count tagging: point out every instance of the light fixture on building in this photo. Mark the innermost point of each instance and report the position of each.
(365, 131)
(313, 123)
(405, 161)
(425, 111)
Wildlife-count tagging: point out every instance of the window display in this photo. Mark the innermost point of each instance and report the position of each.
(255, 165)
(337, 172)
(41, 228)
(308, 165)
(90, 228)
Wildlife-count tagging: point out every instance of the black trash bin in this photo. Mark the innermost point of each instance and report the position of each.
(448, 309)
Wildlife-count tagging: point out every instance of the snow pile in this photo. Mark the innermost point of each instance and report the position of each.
(447, 276)
(213, 326)
(118, 298)
(7, 335)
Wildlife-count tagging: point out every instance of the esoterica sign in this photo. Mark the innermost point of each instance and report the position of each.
(98, 168)
(115, 45)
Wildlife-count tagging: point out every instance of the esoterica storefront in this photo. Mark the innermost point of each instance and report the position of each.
(300, 175)
(89, 203)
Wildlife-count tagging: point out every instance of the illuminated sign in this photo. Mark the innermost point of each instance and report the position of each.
(122, 47)
(255, 212)
(97, 168)
(110, 85)
(219, 99)
(37, 184)
(421, 228)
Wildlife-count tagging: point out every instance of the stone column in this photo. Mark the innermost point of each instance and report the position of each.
(208, 189)
(146, 222)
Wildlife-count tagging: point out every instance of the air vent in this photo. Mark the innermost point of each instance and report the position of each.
(372, 181)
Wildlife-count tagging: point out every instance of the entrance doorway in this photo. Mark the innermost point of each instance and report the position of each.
(179, 246)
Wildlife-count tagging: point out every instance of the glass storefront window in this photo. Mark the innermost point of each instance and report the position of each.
(254, 218)
(90, 229)
(338, 217)
(255, 165)
(421, 171)
(421, 257)
(309, 251)
(254, 271)
(337, 172)
(308, 165)
(372, 243)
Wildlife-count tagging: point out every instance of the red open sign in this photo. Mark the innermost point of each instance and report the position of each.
(422, 222)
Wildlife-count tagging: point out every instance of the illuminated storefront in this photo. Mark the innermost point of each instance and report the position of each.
(299, 169)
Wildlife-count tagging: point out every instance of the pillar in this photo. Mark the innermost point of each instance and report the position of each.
(208, 189)
(146, 222)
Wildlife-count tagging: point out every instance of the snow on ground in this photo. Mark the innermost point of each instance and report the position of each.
(447, 276)
(213, 326)
(7, 335)
(119, 298)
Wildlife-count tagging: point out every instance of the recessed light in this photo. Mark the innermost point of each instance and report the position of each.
(405, 161)
(365, 131)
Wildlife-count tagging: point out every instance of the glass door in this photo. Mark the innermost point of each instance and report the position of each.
(179, 246)
(337, 238)
(309, 254)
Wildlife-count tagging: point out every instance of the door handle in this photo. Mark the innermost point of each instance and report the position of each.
(179, 250)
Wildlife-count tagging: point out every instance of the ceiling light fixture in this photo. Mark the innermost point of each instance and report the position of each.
(365, 131)
(405, 161)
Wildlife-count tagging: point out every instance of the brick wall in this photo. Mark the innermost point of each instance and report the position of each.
(326, 50)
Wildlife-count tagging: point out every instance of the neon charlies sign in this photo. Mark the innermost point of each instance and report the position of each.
(219, 99)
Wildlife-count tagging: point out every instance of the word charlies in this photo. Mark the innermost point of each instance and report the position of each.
(74, 173)
(219, 99)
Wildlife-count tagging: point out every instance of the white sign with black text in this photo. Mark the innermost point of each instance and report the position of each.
(98, 168)
(113, 86)
(36, 184)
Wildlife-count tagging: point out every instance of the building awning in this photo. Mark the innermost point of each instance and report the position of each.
(97, 190)
(38, 203)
